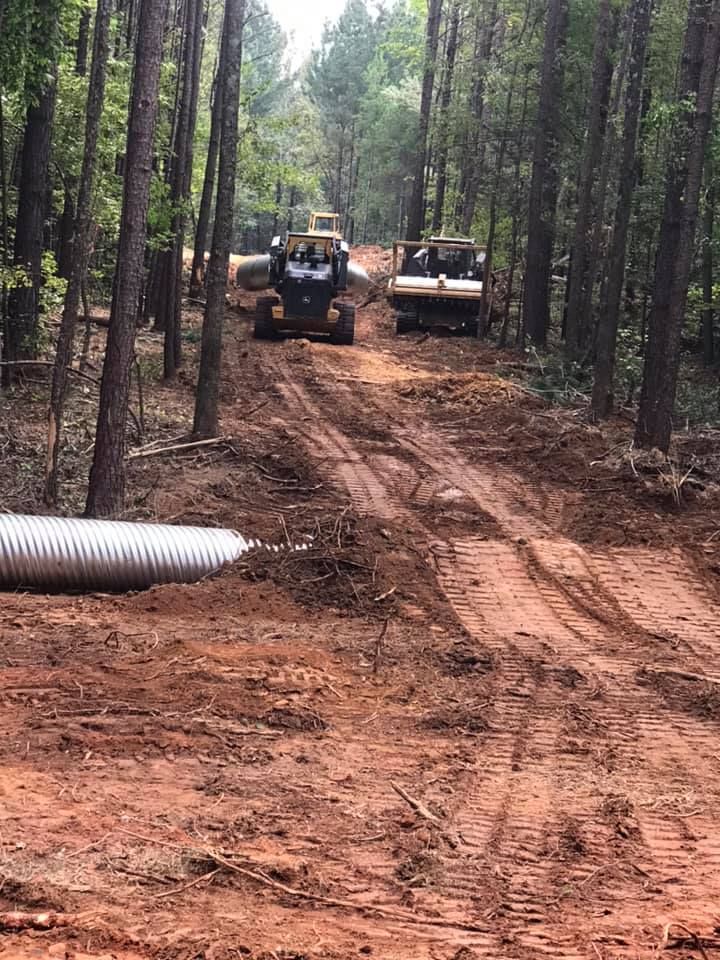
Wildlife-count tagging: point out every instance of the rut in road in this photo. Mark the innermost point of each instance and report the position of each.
(578, 753)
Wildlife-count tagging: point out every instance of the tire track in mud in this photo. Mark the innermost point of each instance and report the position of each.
(366, 489)
(549, 601)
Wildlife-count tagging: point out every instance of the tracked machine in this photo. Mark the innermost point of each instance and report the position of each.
(308, 272)
(437, 283)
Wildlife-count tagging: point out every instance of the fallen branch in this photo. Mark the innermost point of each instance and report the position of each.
(691, 939)
(417, 805)
(680, 675)
(48, 363)
(16, 920)
(379, 643)
(259, 467)
(384, 596)
(156, 451)
(261, 878)
(187, 886)
(401, 915)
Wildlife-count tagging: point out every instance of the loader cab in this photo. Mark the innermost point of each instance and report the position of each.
(327, 224)
(451, 261)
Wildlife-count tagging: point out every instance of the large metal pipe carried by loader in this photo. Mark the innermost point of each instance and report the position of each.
(254, 274)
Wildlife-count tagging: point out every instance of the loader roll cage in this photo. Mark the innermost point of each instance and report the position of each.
(436, 282)
(415, 245)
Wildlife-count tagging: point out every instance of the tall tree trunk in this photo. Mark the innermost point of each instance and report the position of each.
(80, 246)
(708, 313)
(276, 209)
(416, 210)
(602, 395)
(4, 219)
(472, 174)
(180, 184)
(337, 193)
(444, 132)
(594, 265)
(65, 236)
(208, 387)
(544, 181)
(677, 233)
(197, 274)
(516, 206)
(24, 306)
(106, 493)
(490, 243)
(577, 326)
(82, 42)
(291, 207)
(347, 216)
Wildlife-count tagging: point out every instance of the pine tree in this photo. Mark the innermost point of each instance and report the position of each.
(602, 395)
(577, 322)
(80, 246)
(544, 182)
(106, 492)
(208, 387)
(675, 252)
(416, 207)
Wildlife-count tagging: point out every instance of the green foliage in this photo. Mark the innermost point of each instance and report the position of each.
(52, 291)
(698, 396)
(160, 215)
(557, 379)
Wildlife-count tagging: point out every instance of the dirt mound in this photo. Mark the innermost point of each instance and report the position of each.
(342, 567)
(374, 259)
(465, 389)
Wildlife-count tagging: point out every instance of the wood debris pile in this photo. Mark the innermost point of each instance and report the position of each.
(466, 390)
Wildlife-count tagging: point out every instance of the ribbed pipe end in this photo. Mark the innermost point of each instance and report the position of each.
(78, 554)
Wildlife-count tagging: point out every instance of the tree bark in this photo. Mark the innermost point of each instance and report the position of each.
(708, 313)
(492, 224)
(197, 274)
(472, 174)
(24, 305)
(577, 325)
(606, 168)
(106, 493)
(443, 132)
(80, 247)
(208, 387)
(181, 172)
(66, 229)
(544, 181)
(516, 207)
(677, 233)
(602, 395)
(416, 210)
(82, 42)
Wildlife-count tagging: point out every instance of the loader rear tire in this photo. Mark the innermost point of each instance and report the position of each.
(344, 333)
(263, 328)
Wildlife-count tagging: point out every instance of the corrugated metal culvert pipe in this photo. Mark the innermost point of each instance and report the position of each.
(253, 273)
(61, 553)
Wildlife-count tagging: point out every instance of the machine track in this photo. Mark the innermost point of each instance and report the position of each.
(585, 820)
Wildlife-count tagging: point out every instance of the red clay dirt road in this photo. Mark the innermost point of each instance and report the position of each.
(472, 762)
